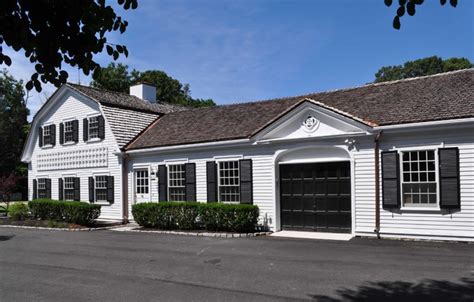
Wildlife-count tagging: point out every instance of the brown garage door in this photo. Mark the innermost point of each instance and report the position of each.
(316, 197)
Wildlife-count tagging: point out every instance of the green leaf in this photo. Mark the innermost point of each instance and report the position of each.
(443, 2)
(396, 22)
(388, 2)
(401, 11)
(411, 8)
(110, 50)
(454, 3)
(29, 85)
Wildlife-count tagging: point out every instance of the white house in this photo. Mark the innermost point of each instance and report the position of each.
(394, 159)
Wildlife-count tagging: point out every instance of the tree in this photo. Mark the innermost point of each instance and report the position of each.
(116, 77)
(409, 6)
(421, 67)
(13, 124)
(53, 33)
(8, 186)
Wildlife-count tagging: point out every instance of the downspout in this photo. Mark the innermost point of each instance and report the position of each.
(378, 137)
(125, 188)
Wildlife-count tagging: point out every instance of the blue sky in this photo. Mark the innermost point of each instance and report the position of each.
(235, 51)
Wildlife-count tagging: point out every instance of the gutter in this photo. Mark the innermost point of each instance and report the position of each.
(189, 146)
(409, 126)
(378, 137)
(125, 215)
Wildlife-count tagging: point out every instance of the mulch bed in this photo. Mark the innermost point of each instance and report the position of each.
(51, 224)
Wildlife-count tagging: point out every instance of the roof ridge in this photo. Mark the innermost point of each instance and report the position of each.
(125, 94)
(311, 94)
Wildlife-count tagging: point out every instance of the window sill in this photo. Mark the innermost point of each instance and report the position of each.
(93, 140)
(47, 146)
(420, 209)
(69, 143)
(102, 203)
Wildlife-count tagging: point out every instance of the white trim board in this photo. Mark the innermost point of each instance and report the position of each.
(313, 235)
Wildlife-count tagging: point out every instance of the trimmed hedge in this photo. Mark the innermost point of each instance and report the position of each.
(196, 216)
(77, 212)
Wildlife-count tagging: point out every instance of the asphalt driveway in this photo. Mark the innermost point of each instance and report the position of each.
(119, 266)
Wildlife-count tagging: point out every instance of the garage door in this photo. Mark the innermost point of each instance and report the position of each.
(316, 197)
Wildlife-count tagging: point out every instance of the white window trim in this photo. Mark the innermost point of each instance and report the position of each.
(100, 202)
(169, 178)
(47, 146)
(434, 207)
(226, 159)
(95, 139)
(64, 121)
(64, 186)
(142, 168)
(37, 185)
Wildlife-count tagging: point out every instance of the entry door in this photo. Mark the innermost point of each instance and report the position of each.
(316, 197)
(142, 185)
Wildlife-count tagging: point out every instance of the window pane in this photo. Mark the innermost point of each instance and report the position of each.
(229, 185)
(419, 178)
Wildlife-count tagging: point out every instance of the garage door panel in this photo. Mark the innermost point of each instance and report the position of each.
(316, 197)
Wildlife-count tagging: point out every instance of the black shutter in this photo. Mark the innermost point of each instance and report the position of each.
(85, 129)
(390, 179)
(40, 136)
(110, 189)
(101, 123)
(91, 189)
(52, 131)
(48, 188)
(61, 133)
(60, 189)
(77, 189)
(449, 184)
(35, 189)
(211, 176)
(245, 166)
(75, 130)
(190, 169)
(162, 183)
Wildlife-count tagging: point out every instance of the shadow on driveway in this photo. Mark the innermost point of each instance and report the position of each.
(427, 290)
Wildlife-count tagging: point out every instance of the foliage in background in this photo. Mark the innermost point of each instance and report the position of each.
(116, 77)
(196, 215)
(77, 212)
(54, 33)
(421, 67)
(8, 186)
(409, 6)
(13, 124)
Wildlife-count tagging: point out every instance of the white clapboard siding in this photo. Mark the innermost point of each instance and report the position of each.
(75, 106)
(418, 224)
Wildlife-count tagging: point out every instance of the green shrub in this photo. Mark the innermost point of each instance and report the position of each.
(18, 211)
(77, 212)
(195, 215)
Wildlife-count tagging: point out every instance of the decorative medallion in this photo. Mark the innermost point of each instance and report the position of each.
(310, 123)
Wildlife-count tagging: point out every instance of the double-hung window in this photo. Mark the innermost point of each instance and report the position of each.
(419, 181)
(69, 188)
(47, 138)
(141, 182)
(229, 182)
(68, 131)
(176, 183)
(100, 188)
(41, 190)
(93, 127)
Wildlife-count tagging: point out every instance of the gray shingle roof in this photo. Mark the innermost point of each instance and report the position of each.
(430, 98)
(123, 100)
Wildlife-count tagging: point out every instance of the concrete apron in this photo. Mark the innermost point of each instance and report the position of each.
(313, 235)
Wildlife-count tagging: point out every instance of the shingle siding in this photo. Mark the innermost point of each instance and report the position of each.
(126, 124)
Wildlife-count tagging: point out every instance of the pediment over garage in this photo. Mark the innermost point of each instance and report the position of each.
(310, 119)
